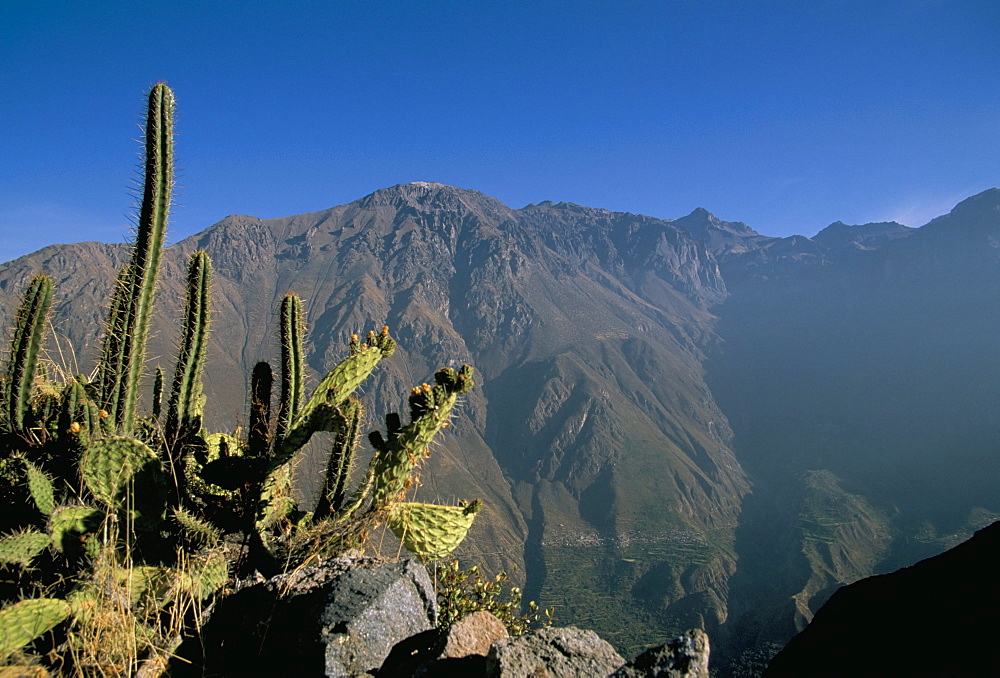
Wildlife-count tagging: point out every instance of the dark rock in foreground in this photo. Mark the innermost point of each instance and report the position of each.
(684, 657)
(936, 618)
(340, 619)
(362, 616)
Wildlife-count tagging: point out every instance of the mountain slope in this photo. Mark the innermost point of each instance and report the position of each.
(601, 455)
(680, 423)
(861, 384)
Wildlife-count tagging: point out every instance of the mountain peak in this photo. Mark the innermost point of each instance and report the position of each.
(981, 205)
(426, 196)
(701, 222)
(979, 211)
(866, 236)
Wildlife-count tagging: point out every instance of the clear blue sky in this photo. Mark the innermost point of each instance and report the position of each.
(785, 115)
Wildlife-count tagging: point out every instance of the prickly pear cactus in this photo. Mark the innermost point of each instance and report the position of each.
(72, 529)
(21, 548)
(430, 409)
(22, 622)
(432, 531)
(40, 486)
(111, 465)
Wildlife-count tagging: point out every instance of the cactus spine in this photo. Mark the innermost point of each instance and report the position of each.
(186, 404)
(27, 344)
(131, 306)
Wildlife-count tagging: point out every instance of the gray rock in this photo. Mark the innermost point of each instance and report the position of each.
(684, 657)
(369, 611)
(338, 619)
(553, 653)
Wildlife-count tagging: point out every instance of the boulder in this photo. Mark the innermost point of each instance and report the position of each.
(473, 634)
(553, 653)
(459, 651)
(340, 618)
(683, 657)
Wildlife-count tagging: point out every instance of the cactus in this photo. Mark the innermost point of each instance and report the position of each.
(292, 388)
(204, 575)
(340, 460)
(22, 622)
(40, 487)
(261, 382)
(320, 411)
(21, 548)
(430, 531)
(186, 404)
(70, 528)
(430, 408)
(79, 416)
(195, 530)
(110, 465)
(157, 393)
(27, 343)
(168, 506)
(131, 306)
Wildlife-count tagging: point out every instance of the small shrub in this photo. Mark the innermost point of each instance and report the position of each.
(462, 592)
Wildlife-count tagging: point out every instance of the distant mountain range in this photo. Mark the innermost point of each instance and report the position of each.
(680, 423)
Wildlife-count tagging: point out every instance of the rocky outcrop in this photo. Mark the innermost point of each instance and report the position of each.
(355, 616)
(559, 653)
(684, 657)
(339, 619)
(458, 651)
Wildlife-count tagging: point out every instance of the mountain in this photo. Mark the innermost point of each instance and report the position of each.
(861, 386)
(604, 463)
(679, 423)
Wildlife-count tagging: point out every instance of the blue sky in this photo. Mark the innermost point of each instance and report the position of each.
(785, 115)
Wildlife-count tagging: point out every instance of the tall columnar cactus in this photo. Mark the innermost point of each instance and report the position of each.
(340, 460)
(131, 306)
(291, 330)
(25, 348)
(186, 405)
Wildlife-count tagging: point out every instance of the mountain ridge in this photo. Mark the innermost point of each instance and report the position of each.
(648, 435)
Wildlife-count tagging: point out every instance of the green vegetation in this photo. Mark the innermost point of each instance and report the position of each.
(117, 529)
(462, 592)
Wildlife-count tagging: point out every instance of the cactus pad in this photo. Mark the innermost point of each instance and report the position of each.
(432, 531)
(196, 530)
(69, 526)
(40, 486)
(146, 586)
(22, 622)
(204, 576)
(109, 465)
(22, 547)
